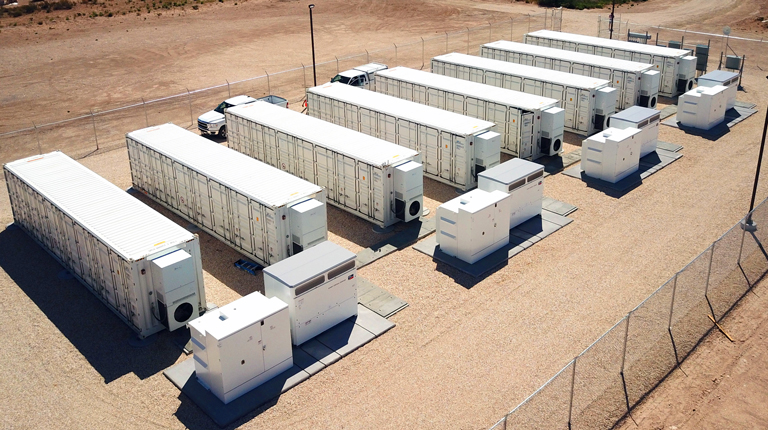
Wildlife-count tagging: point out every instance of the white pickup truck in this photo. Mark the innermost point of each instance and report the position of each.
(361, 76)
(213, 122)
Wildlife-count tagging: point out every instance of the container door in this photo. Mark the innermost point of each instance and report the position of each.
(668, 78)
(270, 147)
(80, 253)
(506, 125)
(350, 176)
(603, 51)
(569, 46)
(476, 75)
(584, 112)
(455, 103)
(220, 212)
(72, 252)
(258, 231)
(460, 149)
(89, 264)
(420, 94)
(528, 139)
(326, 108)
(446, 156)
(257, 145)
(406, 90)
(526, 59)
(285, 153)
(553, 91)
(544, 63)
(170, 183)
(449, 69)
(532, 86)
(408, 134)
(338, 113)
(117, 277)
(108, 292)
(429, 143)
(387, 128)
(475, 108)
(640, 57)
(380, 206)
(203, 211)
(570, 104)
(350, 113)
(586, 49)
(436, 98)
(241, 221)
(368, 122)
(306, 160)
(581, 69)
(157, 173)
(364, 185)
(274, 250)
(630, 88)
(562, 66)
(463, 72)
(183, 191)
(602, 73)
(47, 225)
(324, 176)
(494, 79)
(439, 67)
(513, 82)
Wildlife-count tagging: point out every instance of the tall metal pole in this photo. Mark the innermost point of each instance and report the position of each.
(757, 171)
(312, 35)
(610, 27)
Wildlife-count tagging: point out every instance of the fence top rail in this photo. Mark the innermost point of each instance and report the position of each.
(570, 363)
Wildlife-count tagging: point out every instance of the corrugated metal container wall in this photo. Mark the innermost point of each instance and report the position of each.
(580, 96)
(358, 171)
(624, 75)
(243, 202)
(666, 61)
(514, 113)
(446, 140)
(103, 236)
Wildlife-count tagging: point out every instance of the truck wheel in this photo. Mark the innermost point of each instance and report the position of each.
(223, 132)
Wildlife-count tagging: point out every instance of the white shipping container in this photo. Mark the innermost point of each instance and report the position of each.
(676, 66)
(518, 116)
(725, 79)
(242, 345)
(523, 181)
(454, 148)
(612, 154)
(588, 102)
(143, 266)
(474, 224)
(637, 83)
(702, 107)
(319, 286)
(371, 178)
(258, 210)
(644, 119)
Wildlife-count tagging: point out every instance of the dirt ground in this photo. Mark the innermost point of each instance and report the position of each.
(465, 351)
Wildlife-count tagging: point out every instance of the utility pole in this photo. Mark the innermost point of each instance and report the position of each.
(610, 26)
(312, 35)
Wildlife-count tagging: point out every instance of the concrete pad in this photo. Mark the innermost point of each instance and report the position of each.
(671, 147)
(668, 111)
(377, 299)
(320, 352)
(556, 206)
(183, 376)
(733, 116)
(306, 362)
(554, 164)
(372, 322)
(406, 234)
(649, 165)
(345, 337)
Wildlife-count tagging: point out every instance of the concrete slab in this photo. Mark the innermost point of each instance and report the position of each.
(320, 352)
(671, 147)
(372, 322)
(555, 164)
(377, 299)
(405, 235)
(556, 206)
(649, 165)
(733, 116)
(306, 362)
(182, 375)
(668, 111)
(345, 337)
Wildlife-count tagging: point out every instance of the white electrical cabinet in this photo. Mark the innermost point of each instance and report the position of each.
(588, 102)
(260, 211)
(612, 154)
(517, 115)
(242, 345)
(644, 119)
(523, 181)
(143, 266)
(725, 79)
(626, 76)
(676, 66)
(474, 224)
(320, 287)
(703, 107)
(453, 147)
(358, 171)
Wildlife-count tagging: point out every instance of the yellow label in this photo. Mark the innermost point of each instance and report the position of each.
(159, 243)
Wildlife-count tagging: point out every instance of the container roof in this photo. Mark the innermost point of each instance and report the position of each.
(511, 171)
(636, 114)
(371, 150)
(399, 108)
(498, 95)
(259, 181)
(718, 76)
(309, 263)
(612, 43)
(128, 226)
(233, 317)
(524, 71)
(474, 201)
(576, 57)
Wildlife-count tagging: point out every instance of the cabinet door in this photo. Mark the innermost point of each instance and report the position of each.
(571, 109)
(387, 128)
(380, 206)
(220, 211)
(528, 139)
(259, 231)
(241, 222)
(429, 142)
(276, 339)
(584, 112)
(241, 357)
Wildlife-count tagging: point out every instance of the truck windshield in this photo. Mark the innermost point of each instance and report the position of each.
(220, 108)
(339, 78)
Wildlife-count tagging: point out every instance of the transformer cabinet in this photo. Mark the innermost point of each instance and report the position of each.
(612, 154)
(644, 119)
(677, 67)
(588, 102)
(722, 78)
(702, 107)
(320, 287)
(371, 178)
(523, 181)
(530, 126)
(637, 83)
(258, 210)
(454, 148)
(242, 345)
(143, 266)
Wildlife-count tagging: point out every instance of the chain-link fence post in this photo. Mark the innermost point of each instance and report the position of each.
(529, 23)
(490, 31)
(446, 43)
(395, 53)
(669, 325)
(624, 360)
(573, 384)
(511, 29)
(191, 115)
(706, 285)
(146, 117)
(304, 74)
(467, 40)
(337, 64)
(93, 121)
(228, 89)
(545, 18)
(422, 53)
(367, 56)
(37, 135)
(269, 87)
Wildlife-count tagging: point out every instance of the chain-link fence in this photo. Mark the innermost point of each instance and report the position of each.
(603, 383)
(105, 129)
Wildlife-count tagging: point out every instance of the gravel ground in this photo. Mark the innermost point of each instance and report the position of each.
(463, 353)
